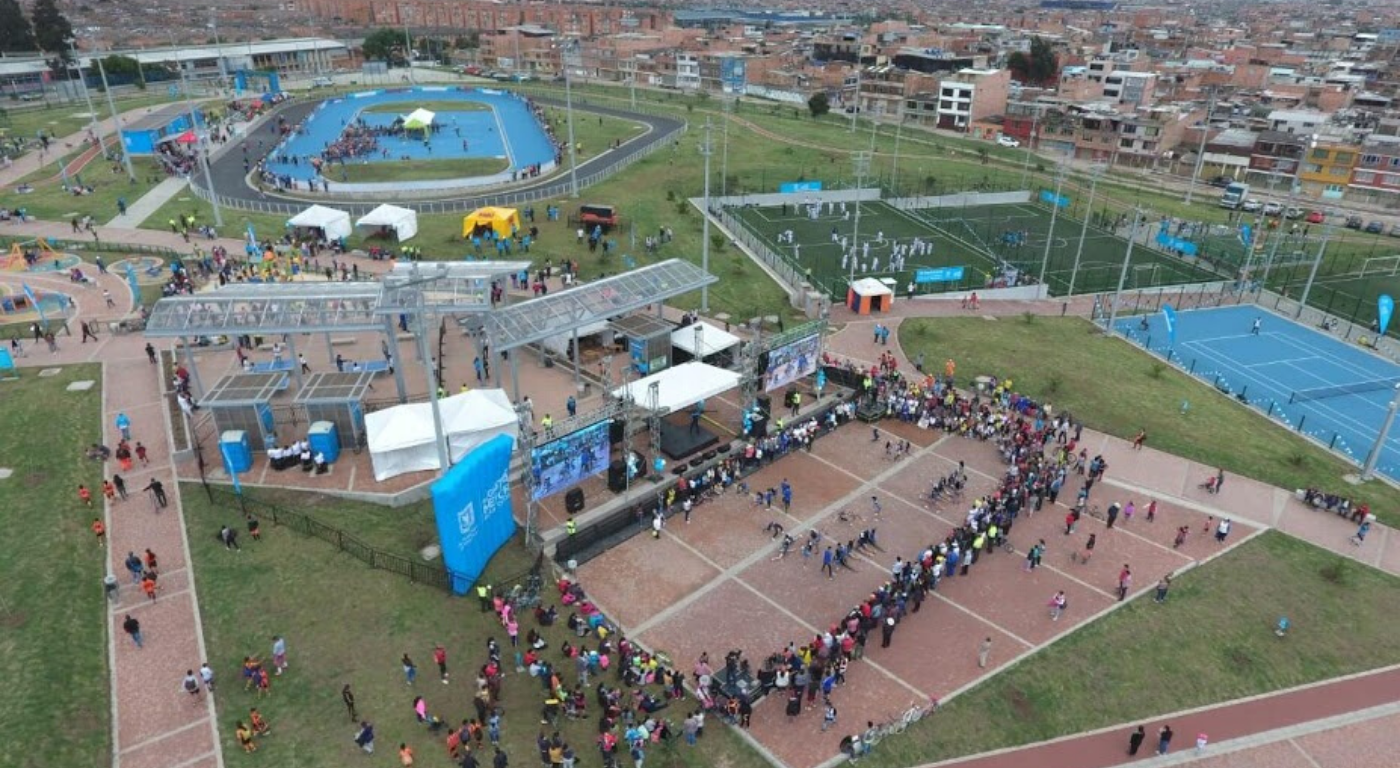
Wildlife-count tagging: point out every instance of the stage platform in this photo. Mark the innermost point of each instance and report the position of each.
(679, 441)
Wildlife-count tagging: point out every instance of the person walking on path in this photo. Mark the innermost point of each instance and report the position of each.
(206, 675)
(133, 627)
(984, 650)
(1164, 740)
(1058, 603)
(123, 423)
(150, 353)
(348, 696)
(1222, 531)
(1125, 582)
(364, 739)
(1135, 740)
(190, 684)
(1201, 740)
(440, 658)
(120, 485)
(1361, 532)
(827, 557)
(157, 488)
(1163, 585)
(134, 567)
(1089, 549)
(279, 654)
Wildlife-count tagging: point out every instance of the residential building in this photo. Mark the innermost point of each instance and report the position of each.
(1300, 122)
(1327, 168)
(1134, 89)
(1376, 177)
(687, 71)
(1274, 159)
(971, 95)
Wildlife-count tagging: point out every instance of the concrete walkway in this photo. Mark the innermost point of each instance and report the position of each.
(139, 211)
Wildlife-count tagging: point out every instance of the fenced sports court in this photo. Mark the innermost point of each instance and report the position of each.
(1306, 379)
(993, 243)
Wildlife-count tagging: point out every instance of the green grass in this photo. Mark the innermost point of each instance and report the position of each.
(50, 201)
(53, 645)
(1211, 641)
(59, 120)
(345, 623)
(421, 170)
(593, 133)
(1115, 388)
(445, 105)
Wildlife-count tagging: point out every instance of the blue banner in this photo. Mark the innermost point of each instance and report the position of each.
(1385, 307)
(1184, 246)
(939, 275)
(1169, 318)
(1050, 198)
(788, 187)
(1247, 235)
(7, 363)
(472, 506)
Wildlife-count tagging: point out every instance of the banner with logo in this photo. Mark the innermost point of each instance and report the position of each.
(472, 505)
(1385, 307)
(1169, 317)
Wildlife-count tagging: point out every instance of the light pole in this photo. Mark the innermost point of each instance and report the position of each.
(219, 49)
(569, 52)
(1095, 173)
(92, 113)
(116, 123)
(200, 144)
(1030, 140)
(634, 82)
(1368, 470)
(1054, 213)
(1201, 150)
(706, 149)
(408, 47)
(861, 161)
(855, 102)
(1123, 275)
(894, 162)
(1312, 274)
(1294, 185)
(724, 154)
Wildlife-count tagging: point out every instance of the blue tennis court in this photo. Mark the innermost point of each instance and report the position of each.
(507, 129)
(1305, 378)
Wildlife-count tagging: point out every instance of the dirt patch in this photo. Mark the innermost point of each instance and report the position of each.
(13, 620)
(35, 479)
(1020, 703)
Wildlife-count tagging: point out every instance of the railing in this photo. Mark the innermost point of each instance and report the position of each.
(100, 245)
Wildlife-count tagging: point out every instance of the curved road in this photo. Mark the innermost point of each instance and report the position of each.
(230, 181)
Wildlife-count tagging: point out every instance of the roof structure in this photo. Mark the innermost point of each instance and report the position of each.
(268, 308)
(448, 286)
(243, 389)
(538, 319)
(158, 118)
(334, 388)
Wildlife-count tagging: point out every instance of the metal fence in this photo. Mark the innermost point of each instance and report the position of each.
(98, 245)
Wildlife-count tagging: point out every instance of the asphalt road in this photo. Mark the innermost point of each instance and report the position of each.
(230, 179)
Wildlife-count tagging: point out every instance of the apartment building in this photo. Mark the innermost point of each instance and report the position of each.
(1142, 139)
(1327, 168)
(1297, 121)
(687, 71)
(971, 95)
(1376, 177)
(1134, 89)
(1274, 159)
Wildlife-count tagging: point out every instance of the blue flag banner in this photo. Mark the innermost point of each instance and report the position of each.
(7, 363)
(789, 187)
(939, 275)
(1050, 198)
(1169, 318)
(1385, 307)
(473, 509)
(1247, 235)
(1181, 245)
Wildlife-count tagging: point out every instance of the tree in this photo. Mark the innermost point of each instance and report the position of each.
(16, 35)
(52, 31)
(385, 44)
(819, 104)
(1039, 67)
(123, 69)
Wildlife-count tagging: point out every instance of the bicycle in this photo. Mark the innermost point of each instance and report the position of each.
(897, 723)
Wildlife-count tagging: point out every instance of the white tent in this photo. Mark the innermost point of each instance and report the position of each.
(404, 221)
(680, 386)
(336, 224)
(401, 438)
(713, 339)
(419, 118)
(559, 344)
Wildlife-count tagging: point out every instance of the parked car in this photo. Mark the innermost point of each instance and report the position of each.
(1273, 209)
(1394, 230)
(1220, 181)
(322, 82)
(1293, 212)
(1354, 222)
(1375, 228)
(1008, 141)
(31, 96)
(1251, 205)
(1316, 217)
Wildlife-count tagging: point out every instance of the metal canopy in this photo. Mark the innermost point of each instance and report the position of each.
(550, 315)
(268, 308)
(244, 389)
(334, 388)
(447, 286)
(642, 326)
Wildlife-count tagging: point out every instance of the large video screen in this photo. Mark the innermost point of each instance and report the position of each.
(791, 362)
(561, 464)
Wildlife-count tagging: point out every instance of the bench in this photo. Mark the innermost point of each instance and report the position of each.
(271, 366)
(368, 366)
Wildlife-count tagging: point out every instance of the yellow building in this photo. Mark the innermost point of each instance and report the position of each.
(1326, 169)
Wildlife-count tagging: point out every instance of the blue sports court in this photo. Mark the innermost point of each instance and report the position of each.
(1305, 378)
(507, 128)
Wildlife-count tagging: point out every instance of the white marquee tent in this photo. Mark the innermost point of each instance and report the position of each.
(404, 221)
(336, 224)
(401, 438)
(713, 339)
(683, 385)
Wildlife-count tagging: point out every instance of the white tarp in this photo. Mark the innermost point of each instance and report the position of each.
(559, 344)
(419, 117)
(713, 339)
(869, 286)
(681, 386)
(400, 438)
(336, 224)
(404, 221)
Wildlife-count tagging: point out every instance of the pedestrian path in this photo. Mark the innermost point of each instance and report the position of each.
(138, 211)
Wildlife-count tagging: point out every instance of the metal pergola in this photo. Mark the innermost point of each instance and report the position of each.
(449, 287)
(242, 401)
(339, 399)
(268, 309)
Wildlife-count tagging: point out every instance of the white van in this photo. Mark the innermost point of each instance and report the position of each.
(322, 82)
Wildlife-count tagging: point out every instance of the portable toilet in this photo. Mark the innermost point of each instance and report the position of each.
(868, 295)
(324, 438)
(238, 455)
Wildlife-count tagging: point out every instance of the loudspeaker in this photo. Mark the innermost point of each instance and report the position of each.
(573, 501)
(615, 429)
(617, 476)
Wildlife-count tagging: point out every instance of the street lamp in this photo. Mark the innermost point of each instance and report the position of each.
(1295, 184)
(408, 46)
(92, 114)
(706, 149)
(1201, 150)
(569, 57)
(201, 141)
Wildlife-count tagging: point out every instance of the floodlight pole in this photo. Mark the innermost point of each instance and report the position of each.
(82, 81)
(724, 155)
(219, 49)
(199, 147)
(439, 438)
(1084, 228)
(1050, 237)
(1201, 150)
(894, 163)
(569, 50)
(706, 149)
(1369, 470)
(634, 82)
(1123, 275)
(1030, 140)
(408, 58)
(855, 107)
(1312, 275)
(116, 123)
(862, 165)
(1295, 184)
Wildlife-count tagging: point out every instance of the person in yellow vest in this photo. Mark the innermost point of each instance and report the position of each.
(796, 402)
(548, 424)
(483, 595)
(441, 393)
(570, 527)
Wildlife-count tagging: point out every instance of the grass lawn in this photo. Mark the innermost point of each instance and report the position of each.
(50, 201)
(421, 170)
(1117, 389)
(60, 119)
(53, 645)
(594, 133)
(444, 105)
(1211, 641)
(347, 624)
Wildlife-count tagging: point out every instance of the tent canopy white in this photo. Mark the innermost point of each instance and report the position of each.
(869, 286)
(419, 118)
(713, 339)
(336, 224)
(559, 344)
(681, 386)
(404, 221)
(400, 438)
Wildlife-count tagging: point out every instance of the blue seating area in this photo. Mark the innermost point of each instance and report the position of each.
(272, 366)
(370, 366)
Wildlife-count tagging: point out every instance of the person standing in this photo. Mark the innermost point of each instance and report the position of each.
(134, 567)
(1057, 605)
(157, 488)
(1164, 740)
(1135, 740)
(190, 684)
(279, 654)
(348, 696)
(365, 737)
(984, 650)
(1125, 582)
(120, 485)
(410, 670)
(1201, 740)
(133, 627)
(1222, 531)
(440, 658)
(206, 675)
(1163, 585)
(1361, 532)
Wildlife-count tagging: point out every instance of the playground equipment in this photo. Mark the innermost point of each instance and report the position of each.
(28, 255)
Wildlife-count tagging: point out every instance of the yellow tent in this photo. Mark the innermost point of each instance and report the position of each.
(503, 220)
